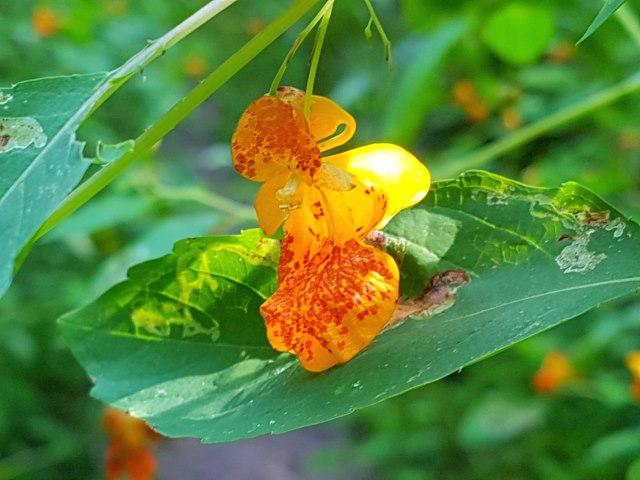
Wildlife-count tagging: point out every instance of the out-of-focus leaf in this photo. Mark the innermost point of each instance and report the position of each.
(519, 33)
(102, 212)
(418, 85)
(608, 9)
(182, 344)
(40, 159)
(616, 446)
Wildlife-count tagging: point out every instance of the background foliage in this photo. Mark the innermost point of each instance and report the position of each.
(479, 74)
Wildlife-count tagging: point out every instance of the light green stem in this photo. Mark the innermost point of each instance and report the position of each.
(315, 57)
(383, 35)
(156, 49)
(299, 41)
(629, 21)
(173, 117)
(449, 168)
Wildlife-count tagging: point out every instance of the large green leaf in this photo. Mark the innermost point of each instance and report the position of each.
(181, 343)
(40, 159)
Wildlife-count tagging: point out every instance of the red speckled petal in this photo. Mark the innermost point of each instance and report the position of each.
(272, 138)
(327, 118)
(340, 215)
(333, 304)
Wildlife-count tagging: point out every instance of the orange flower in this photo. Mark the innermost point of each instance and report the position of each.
(555, 372)
(44, 21)
(334, 292)
(633, 364)
(128, 451)
(194, 66)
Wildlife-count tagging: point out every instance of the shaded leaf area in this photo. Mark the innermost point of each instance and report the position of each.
(40, 159)
(608, 9)
(535, 257)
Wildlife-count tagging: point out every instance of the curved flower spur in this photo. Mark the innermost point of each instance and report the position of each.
(335, 293)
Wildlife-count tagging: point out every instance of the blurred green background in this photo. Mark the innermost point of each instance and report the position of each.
(465, 74)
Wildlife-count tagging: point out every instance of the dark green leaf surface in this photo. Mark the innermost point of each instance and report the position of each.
(182, 344)
(40, 159)
(608, 9)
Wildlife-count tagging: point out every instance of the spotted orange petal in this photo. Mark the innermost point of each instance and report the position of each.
(273, 137)
(331, 125)
(333, 304)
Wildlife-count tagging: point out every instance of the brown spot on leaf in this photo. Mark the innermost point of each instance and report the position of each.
(439, 296)
(4, 140)
(593, 218)
(376, 239)
(566, 236)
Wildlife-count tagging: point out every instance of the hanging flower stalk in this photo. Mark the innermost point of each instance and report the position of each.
(335, 293)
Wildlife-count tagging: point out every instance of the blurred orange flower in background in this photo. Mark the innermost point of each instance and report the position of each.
(129, 447)
(44, 21)
(633, 364)
(555, 372)
(335, 293)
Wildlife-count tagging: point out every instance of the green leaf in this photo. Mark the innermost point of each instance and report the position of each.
(535, 256)
(519, 33)
(40, 159)
(608, 9)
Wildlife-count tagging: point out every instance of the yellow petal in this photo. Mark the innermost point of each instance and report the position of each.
(333, 304)
(273, 137)
(400, 175)
(331, 125)
(327, 120)
(268, 208)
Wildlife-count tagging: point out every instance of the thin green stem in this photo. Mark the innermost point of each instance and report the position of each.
(383, 35)
(173, 117)
(629, 20)
(526, 134)
(156, 49)
(315, 57)
(299, 41)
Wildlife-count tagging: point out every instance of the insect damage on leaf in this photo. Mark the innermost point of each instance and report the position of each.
(439, 296)
(20, 133)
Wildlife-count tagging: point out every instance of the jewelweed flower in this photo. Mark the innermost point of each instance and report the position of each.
(335, 293)
(128, 450)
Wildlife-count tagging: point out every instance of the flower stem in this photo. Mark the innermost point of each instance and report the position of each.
(156, 49)
(315, 57)
(482, 156)
(383, 36)
(173, 117)
(294, 48)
